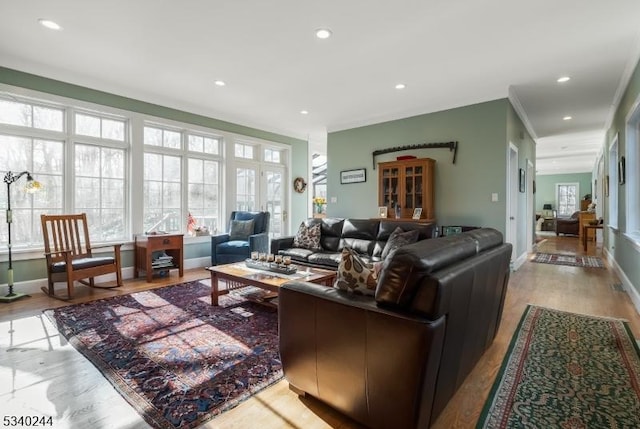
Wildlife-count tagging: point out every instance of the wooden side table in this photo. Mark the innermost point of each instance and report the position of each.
(146, 245)
(585, 230)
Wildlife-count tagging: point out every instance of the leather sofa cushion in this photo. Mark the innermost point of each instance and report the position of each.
(297, 253)
(486, 238)
(402, 272)
(331, 259)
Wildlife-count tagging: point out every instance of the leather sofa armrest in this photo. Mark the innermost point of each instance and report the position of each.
(259, 242)
(281, 243)
(348, 352)
(215, 240)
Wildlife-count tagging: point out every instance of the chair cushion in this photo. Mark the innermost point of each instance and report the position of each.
(82, 263)
(241, 229)
(399, 238)
(233, 247)
(308, 237)
(354, 275)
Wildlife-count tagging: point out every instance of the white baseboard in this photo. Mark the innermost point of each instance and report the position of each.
(634, 295)
(517, 263)
(33, 286)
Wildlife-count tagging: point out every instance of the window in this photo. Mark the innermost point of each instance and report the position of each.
(204, 193)
(44, 159)
(245, 189)
(272, 155)
(100, 190)
(31, 115)
(243, 151)
(611, 184)
(162, 193)
(104, 128)
(167, 200)
(161, 137)
(566, 199)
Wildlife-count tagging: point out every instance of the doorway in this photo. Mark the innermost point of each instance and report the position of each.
(511, 227)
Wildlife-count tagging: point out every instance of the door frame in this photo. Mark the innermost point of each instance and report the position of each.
(511, 221)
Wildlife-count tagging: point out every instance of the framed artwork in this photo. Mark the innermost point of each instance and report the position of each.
(417, 212)
(621, 171)
(383, 212)
(451, 230)
(353, 176)
(522, 180)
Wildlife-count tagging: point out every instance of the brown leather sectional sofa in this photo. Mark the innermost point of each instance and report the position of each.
(394, 361)
(366, 236)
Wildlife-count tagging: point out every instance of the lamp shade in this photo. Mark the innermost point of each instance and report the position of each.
(546, 207)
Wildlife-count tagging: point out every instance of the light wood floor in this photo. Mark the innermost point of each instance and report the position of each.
(40, 374)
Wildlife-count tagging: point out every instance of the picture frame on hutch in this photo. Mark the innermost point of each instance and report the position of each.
(417, 212)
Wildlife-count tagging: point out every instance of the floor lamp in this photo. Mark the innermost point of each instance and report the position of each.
(31, 187)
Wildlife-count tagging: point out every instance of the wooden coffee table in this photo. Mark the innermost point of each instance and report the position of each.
(238, 275)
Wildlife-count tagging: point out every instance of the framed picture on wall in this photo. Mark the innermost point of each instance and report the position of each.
(522, 180)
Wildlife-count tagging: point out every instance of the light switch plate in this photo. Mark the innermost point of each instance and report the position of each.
(494, 197)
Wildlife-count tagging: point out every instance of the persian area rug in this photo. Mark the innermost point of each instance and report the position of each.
(566, 370)
(176, 359)
(572, 260)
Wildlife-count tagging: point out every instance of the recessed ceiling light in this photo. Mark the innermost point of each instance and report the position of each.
(567, 118)
(401, 86)
(323, 33)
(220, 82)
(563, 79)
(49, 24)
(304, 112)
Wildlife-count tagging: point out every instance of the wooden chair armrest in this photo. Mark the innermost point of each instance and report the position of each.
(116, 246)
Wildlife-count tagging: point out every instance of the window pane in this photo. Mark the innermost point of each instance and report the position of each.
(152, 136)
(47, 118)
(113, 163)
(239, 150)
(87, 160)
(171, 168)
(152, 166)
(196, 170)
(196, 143)
(211, 146)
(113, 194)
(16, 153)
(172, 139)
(112, 129)
(87, 125)
(87, 191)
(14, 113)
(48, 157)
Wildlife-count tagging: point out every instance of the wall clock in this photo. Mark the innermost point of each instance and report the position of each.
(299, 185)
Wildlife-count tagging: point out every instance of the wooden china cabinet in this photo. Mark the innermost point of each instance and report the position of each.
(408, 183)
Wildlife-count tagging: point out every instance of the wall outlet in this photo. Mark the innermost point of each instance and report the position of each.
(494, 197)
(334, 200)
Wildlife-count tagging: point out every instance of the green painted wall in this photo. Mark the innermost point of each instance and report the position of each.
(546, 187)
(621, 248)
(462, 190)
(29, 270)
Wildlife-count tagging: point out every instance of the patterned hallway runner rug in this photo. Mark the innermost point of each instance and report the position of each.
(566, 370)
(572, 260)
(176, 359)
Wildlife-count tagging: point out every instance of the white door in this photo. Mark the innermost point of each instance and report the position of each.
(262, 189)
(273, 198)
(512, 200)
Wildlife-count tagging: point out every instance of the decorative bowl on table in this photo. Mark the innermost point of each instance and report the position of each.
(594, 222)
(271, 266)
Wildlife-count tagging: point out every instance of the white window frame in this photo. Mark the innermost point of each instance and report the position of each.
(612, 184)
(576, 206)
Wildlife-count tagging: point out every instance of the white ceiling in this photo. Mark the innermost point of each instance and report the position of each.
(448, 53)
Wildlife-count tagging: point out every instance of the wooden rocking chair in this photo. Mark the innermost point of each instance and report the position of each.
(69, 254)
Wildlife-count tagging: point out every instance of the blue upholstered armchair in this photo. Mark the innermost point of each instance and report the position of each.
(246, 232)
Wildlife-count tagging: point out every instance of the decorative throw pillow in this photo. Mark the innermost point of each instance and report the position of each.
(241, 229)
(354, 275)
(399, 238)
(308, 237)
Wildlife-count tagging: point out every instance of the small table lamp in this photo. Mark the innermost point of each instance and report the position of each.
(31, 187)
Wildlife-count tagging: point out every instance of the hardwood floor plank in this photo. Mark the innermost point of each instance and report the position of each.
(41, 374)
